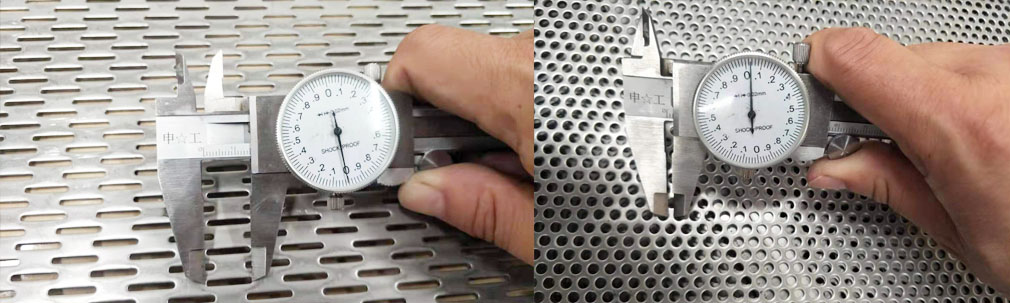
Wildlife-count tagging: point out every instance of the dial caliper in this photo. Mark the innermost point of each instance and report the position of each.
(337, 131)
(749, 110)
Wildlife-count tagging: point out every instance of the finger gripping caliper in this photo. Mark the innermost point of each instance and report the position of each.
(337, 131)
(749, 110)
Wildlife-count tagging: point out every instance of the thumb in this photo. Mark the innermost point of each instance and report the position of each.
(479, 201)
(881, 172)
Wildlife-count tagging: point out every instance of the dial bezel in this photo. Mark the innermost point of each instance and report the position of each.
(789, 71)
(372, 83)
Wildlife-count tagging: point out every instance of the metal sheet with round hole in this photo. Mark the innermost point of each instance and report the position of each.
(770, 240)
(81, 216)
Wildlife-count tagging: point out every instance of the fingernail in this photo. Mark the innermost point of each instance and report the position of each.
(421, 197)
(825, 182)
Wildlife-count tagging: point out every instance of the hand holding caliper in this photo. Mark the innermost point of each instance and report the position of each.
(694, 103)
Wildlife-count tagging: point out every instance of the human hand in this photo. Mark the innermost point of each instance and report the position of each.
(947, 106)
(489, 81)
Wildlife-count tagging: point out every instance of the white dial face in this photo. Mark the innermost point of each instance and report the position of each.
(337, 130)
(751, 110)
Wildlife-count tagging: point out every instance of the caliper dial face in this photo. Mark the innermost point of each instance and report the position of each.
(751, 110)
(337, 130)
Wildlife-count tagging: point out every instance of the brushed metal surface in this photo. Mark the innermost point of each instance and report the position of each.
(81, 216)
(771, 239)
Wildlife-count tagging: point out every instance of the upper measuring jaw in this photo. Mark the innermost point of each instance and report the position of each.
(645, 53)
(213, 93)
(649, 108)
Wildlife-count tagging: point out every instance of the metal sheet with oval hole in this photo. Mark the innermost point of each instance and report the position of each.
(81, 214)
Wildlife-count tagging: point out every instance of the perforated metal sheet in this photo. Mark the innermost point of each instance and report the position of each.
(81, 216)
(771, 240)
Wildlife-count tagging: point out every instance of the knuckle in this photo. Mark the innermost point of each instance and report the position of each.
(881, 191)
(412, 52)
(989, 127)
(418, 36)
(882, 186)
(484, 218)
(848, 48)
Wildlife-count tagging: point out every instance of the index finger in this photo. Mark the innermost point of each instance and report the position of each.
(487, 80)
(889, 84)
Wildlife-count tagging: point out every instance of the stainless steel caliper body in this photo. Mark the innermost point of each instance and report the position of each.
(659, 98)
(243, 129)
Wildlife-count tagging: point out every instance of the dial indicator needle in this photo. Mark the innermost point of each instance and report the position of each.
(750, 82)
(340, 145)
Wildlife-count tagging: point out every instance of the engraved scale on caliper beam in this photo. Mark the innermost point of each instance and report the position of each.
(342, 134)
(749, 110)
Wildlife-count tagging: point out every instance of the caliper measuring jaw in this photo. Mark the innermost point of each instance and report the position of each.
(270, 181)
(185, 138)
(234, 128)
(653, 103)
